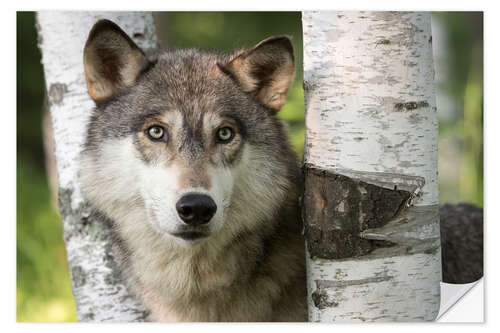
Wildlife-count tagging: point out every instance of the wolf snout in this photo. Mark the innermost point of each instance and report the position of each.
(196, 209)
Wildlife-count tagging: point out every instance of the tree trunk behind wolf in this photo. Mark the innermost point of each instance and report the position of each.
(371, 194)
(99, 292)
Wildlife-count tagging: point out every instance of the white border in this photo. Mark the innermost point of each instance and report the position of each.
(8, 134)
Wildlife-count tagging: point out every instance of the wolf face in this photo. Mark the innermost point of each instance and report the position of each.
(185, 144)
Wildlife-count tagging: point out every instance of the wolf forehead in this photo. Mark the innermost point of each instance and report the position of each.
(190, 80)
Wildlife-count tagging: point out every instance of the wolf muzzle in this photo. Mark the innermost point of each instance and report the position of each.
(196, 209)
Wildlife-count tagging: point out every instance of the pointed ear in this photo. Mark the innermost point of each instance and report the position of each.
(111, 59)
(266, 70)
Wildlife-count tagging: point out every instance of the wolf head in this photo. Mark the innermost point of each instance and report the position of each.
(186, 143)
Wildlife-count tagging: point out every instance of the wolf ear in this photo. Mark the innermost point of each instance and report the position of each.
(266, 70)
(111, 59)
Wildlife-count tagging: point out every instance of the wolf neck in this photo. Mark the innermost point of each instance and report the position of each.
(172, 277)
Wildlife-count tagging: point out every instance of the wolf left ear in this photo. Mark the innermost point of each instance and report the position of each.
(111, 59)
(266, 70)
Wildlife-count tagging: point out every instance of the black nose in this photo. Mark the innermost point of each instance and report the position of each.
(196, 209)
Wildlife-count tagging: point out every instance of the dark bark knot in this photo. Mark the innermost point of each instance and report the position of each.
(138, 36)
(56, 93)
(336, 209)
(408, 106)
(383, 42)
(320, 299)
(78, 276)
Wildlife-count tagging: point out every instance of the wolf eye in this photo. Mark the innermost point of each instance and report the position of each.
(155, 132)
(225, 134)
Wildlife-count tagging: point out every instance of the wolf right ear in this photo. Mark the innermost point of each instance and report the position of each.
(111, 59)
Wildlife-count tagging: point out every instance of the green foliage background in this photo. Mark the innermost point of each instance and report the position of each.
(43, 283)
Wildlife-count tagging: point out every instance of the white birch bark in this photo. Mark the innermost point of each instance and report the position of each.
(371, 117)
(99, 292)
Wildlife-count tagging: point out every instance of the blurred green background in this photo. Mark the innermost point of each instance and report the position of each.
(43, 283)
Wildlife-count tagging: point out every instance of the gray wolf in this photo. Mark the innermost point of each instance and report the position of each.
(186, 157)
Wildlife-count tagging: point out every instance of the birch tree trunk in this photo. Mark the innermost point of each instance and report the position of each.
(371, 193)
(99, 292)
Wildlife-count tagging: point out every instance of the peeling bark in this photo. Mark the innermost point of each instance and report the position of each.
(99, 292)
(371, 202)
(338, 208)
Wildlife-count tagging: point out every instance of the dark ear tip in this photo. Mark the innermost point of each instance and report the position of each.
(281, 40)
(103, 25)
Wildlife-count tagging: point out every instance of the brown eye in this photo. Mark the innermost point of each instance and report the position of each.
(225, 135)
(155, 133)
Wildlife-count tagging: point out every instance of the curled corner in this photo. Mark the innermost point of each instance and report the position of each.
(462, 302)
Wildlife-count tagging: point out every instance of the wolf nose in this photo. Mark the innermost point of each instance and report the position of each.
(196, 209)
